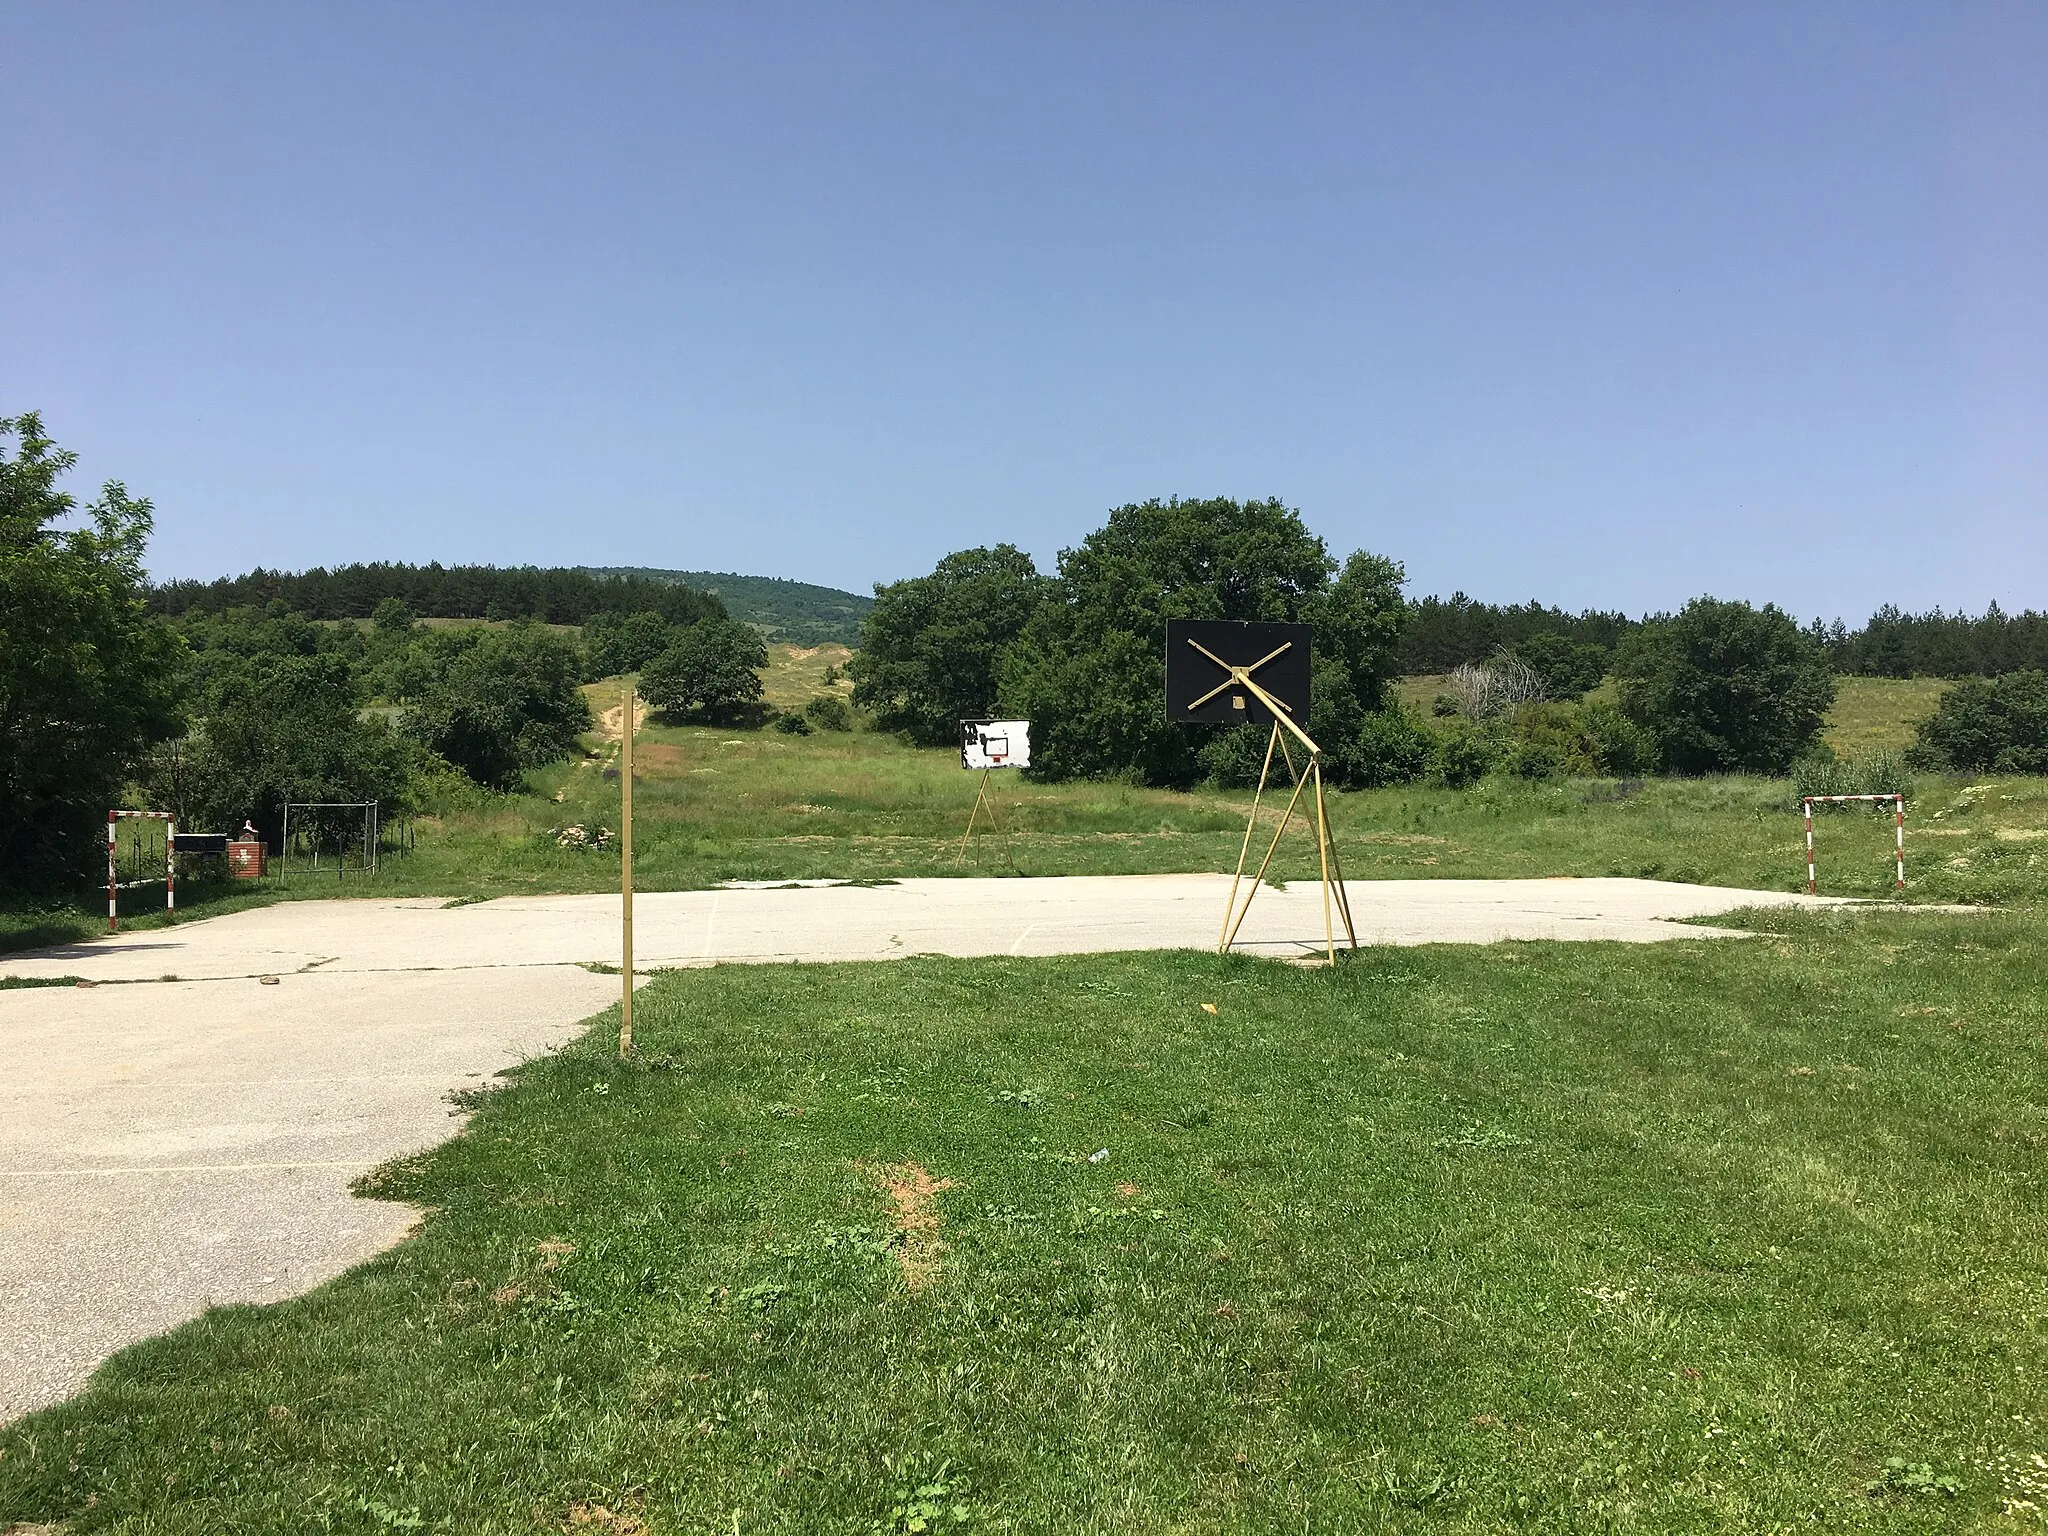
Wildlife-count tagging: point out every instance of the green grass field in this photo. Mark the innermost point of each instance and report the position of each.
(1707, 1236)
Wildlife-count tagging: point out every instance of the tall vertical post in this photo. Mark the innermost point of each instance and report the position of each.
(170, 869)
(626, 873)
(1899, 805)
(1807, 806)
(113, 880)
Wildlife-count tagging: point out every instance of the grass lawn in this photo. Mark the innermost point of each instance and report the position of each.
(1708, 1236)
(1880, 713)
(714, 805)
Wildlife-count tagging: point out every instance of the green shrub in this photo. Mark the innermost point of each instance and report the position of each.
(1618, 747)
(1393, 748)
(1989, 725)
(1462, 754)
(1568, 668)
(619, 642)
(829, 713)
(793, 725)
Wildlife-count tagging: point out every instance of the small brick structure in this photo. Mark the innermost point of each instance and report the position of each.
(247, 859)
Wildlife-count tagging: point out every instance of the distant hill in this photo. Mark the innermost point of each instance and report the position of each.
(792, 611)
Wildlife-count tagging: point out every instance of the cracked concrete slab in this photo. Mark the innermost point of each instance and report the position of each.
(176, 1144)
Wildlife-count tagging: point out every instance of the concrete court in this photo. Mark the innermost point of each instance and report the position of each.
(189, 1141)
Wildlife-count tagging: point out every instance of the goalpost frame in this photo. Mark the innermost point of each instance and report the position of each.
(1808, 802)
(116, 885)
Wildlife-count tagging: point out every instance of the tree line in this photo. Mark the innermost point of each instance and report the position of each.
(1442, 633)
(1719, 686)
(556, 595)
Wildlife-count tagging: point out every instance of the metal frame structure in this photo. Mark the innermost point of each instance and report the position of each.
(373, 826)
(116, 885)
(1326, 848)
(1807, 803)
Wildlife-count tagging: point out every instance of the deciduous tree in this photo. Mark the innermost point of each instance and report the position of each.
(88, 680)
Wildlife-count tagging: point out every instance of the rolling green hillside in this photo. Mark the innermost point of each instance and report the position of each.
(793, 611)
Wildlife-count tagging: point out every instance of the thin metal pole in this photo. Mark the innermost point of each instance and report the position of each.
(626, 874)
(1807, 805)
(170, 870)
(1251, 823)
(113, 878)
(1899, 802)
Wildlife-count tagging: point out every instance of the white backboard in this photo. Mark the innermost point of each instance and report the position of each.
(995, 743)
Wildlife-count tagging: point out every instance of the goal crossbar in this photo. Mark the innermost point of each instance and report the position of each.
(1808, 802)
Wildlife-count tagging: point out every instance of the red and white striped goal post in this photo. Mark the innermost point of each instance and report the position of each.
(115, 885)
(1808, 802)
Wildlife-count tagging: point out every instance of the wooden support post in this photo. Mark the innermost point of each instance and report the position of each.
(1251, 822)
(626, 875)
(980, 790)
(1336, 901)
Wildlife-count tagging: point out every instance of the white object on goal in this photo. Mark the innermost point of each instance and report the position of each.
(1807, 803)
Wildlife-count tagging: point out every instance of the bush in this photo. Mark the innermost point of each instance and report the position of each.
(793, 725)
(1724, 687)
(1543, 742)
(1462, 754)
(502, 702)
(1231, 759)
(1568, 668)
(829, 713)
(712, 668)
(1989, 726)
(1393, 748)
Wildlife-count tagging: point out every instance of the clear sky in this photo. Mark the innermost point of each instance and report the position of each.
(1601, 304)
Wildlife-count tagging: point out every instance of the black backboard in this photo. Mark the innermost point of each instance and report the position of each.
(1190, 674)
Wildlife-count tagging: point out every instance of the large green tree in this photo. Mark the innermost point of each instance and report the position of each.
(1724, 687)
(88, 680)
(1089, 669)
(932, 647)
(711, 668)
(507, 700)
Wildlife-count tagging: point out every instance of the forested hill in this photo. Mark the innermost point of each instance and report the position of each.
(559, 595)
(792, 611)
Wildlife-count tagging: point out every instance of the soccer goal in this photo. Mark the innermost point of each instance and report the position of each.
(141, 857)
(1808, 802)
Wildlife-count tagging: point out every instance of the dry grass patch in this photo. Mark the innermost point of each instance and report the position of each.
(914, 1195)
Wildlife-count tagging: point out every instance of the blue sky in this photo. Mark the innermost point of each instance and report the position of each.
(1601, 304)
